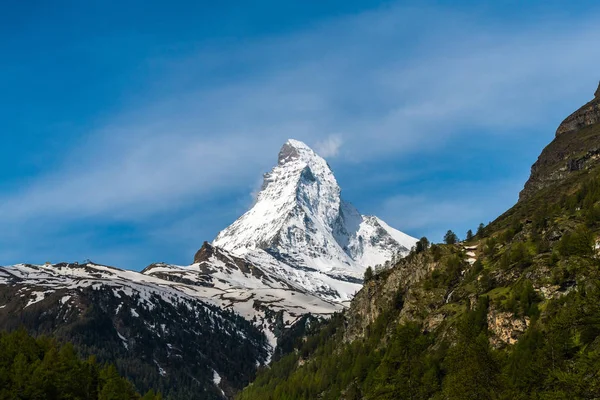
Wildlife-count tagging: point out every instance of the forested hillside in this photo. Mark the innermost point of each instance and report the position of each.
(41, 369)
(512, 313)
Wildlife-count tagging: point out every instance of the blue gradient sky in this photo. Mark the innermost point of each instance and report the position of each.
(131, 133)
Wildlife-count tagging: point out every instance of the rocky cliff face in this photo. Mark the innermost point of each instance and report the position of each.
(587, 115)
(393, 289)
(576, 147)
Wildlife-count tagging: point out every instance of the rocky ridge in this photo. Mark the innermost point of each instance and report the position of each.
(587, 115)
(576, 147)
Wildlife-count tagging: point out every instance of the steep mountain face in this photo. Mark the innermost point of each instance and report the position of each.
(576, 147)
(300, 219)
(514, 313)
(161, 335)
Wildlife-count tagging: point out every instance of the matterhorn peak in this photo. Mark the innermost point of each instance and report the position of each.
(300, 218)
(293, 150)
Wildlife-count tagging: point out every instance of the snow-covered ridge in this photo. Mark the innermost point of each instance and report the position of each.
(141, 314)
(300, 219)
(251, 292)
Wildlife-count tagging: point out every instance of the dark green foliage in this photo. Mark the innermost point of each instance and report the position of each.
(524, 300)
(580, 242)
(453, 266)
(404, 372)
(486, 282)
(450, 237)
(510, 233)
(490, 247)
(359, 370)
(517, 255)
(41, 369)
(469, 236)
(368, 274)
(560, 358)
(436, 252)
(472, 368)
(481, 230)
(555, 359)
(422, 245)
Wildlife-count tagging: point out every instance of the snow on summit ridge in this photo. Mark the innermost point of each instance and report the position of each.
(300, 218)
(294, 149)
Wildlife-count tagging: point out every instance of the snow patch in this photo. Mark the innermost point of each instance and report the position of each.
(161, 371)
(124, 340)
(216, 378)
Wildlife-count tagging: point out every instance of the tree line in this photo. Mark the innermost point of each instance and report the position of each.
(41, 369)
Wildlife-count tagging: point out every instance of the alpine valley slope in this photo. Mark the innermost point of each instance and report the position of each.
(201, 328)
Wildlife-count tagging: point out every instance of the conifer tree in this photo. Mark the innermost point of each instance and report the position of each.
(469, 235)
(450, 237)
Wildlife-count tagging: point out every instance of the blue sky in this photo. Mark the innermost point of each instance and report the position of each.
(131, 133)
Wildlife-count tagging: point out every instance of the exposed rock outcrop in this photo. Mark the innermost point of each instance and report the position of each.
(393, 289)
(576, 147)
(587, 115)
(505, 328)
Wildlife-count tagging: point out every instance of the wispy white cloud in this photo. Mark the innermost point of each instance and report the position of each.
(329, 147)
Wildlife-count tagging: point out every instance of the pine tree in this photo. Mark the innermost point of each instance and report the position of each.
(480, 229)
(450, 237)
(469, 235)
(422, 245)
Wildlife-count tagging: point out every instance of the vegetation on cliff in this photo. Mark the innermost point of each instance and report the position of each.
(511, 313)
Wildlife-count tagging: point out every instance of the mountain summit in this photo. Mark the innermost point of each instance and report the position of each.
(300, 219)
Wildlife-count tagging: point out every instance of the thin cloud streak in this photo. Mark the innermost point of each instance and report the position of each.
(329, 147)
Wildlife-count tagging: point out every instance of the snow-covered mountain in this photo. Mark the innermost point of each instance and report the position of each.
(164, 335)
(300, 219)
